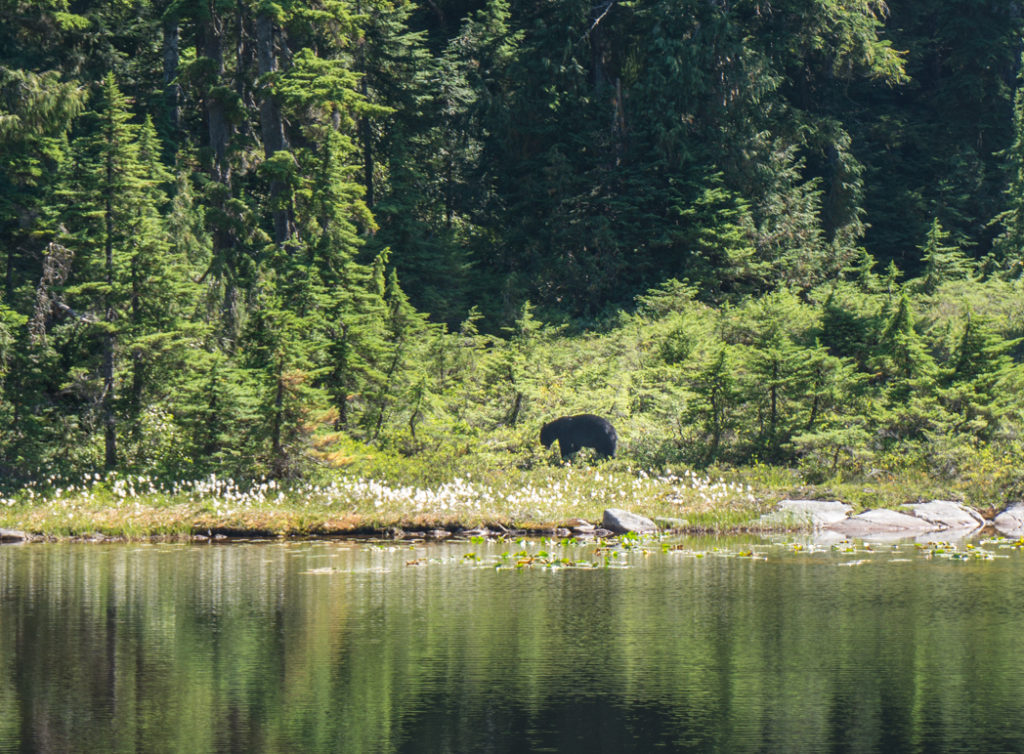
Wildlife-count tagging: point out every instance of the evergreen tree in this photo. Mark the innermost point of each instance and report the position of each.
(280, 356)
(401, 374)
(1008, 247)
(848, 324)
(717, 398)
(902, 360)
(974, 387)
(219, 412)
(907, 374)
(941, 261)
(837, 426)
(515, 375)
(930, 145)
(36, 111)
(121, 280)
(779, 372)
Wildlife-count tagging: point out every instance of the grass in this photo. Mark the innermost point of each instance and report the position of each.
(536, 499)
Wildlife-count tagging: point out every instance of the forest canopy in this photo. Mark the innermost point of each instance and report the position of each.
(254, 237)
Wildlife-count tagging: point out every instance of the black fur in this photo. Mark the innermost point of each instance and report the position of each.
(580, 431)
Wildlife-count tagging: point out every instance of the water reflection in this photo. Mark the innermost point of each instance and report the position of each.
(346, 647)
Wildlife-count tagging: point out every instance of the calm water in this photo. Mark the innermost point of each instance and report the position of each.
(312, 647)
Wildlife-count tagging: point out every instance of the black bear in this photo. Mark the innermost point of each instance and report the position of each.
(580, 431)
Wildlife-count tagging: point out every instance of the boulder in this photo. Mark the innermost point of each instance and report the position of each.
(806, 513)
(1010, 523)
(13, 535)
(883, 523)
(947, 514)
(620, 522)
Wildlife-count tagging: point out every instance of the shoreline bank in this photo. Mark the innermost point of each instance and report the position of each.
(823, 518)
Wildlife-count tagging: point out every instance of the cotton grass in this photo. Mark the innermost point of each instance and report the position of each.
(141, 506)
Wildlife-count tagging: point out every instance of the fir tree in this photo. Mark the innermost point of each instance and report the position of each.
(975, 387)
(1008, 247)
(36, 112)
(941, 260)
(400, 373)
(904, 363)
(110, 210)
(716, 400)
(280, 357)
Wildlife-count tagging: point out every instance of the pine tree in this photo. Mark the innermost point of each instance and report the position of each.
(717, 397)
(119, 290)
(331, 217)
(1008, 247)
(907, 375)
(941, 260)
(10, 324)
(778, 369)
(36, 111)
(400, 372)
(837, 427)
(219, 411)
(515, 375)
(436, 197)
(975, 386)
(902, 360)
(930, 146)
(280, 357)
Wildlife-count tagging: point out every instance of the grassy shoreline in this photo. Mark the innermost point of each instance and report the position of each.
(538, 501)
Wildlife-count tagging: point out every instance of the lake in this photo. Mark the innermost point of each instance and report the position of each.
(739, 645)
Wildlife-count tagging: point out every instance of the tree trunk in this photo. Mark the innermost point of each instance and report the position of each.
(109, 338)
(272, 125)
(218, 127)
(109, 420)
(219, 133)
(365, 132)
(597, 56)
(172, 92)
(365, 135)
(277, 452)
(134, 407)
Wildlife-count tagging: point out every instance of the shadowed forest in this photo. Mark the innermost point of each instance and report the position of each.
(280, 238)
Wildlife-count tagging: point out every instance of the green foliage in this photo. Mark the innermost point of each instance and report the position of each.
(942, 262)
(282, 237)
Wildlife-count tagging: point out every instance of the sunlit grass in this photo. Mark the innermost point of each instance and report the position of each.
(542, 498)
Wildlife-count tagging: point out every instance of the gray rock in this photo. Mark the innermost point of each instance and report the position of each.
(620, 522)
(947, 514)
(13, 535)
(882, 523)
(1010, 523)
(806, 513)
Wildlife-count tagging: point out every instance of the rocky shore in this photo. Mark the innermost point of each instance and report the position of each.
(825, 520)
(945, 518)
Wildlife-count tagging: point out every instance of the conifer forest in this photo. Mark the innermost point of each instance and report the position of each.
(279, 238)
